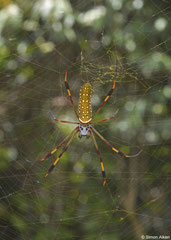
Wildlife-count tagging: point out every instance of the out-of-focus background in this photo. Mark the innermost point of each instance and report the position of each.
(39, 41)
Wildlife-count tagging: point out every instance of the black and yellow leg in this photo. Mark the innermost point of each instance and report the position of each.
(100, 157)
(70, 96)
(104, 120)
(54, 150)
(64, 150)
(110, 146)
(64, 121)
(110, 92)
(108, 95)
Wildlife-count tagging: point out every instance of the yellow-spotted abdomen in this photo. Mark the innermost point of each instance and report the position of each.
(85, 111)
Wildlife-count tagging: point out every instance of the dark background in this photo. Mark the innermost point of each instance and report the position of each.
(39, 42)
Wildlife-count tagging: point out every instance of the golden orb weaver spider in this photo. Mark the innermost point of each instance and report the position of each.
(84, 126)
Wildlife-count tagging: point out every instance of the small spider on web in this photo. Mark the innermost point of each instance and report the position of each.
(84, 126)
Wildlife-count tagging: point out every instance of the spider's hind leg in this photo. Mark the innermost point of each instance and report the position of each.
(70, 96)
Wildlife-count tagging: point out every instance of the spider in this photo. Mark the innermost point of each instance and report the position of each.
(84, 126)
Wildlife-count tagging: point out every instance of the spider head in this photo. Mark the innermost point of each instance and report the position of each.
(84, 129)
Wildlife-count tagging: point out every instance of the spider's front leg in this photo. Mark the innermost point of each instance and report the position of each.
(114, 149)
(79, 135)
(88, 135)
(100, 157)
(64, 150)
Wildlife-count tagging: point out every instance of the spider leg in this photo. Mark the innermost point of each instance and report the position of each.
(110, 146)
(104, 120)
(64, 121)
(100, 157)
(69, 94)
(54, 150)
(60, 155)
(109, 93)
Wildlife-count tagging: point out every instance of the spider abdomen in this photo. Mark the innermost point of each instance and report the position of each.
(85, 111)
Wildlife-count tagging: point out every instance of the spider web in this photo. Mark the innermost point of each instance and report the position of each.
(41, 40)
